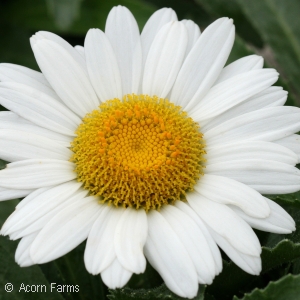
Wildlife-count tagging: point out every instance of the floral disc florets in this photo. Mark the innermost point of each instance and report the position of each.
(141, 152)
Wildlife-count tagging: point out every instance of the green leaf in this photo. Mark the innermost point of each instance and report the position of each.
(279, 25)
(285, 251)
(161, 292)
(287, 288)
(28, 283)
(295, 269)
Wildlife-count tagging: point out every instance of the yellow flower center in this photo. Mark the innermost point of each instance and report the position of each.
(141, 152)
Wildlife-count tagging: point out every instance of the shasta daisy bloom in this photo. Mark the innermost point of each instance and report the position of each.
(149, 148)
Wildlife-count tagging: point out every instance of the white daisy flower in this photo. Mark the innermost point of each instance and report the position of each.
(146, 146)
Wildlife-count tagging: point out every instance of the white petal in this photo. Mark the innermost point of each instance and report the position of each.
(46, 35)
(12, 236)
(100, 249)
(66, 76)
(227, 191)
(291, 142)
(38, 108)
(272, 96)
(167, 255)
(10, 120)
(193, 34)
(22, 256)
(38, 224)
(36, 173)
(122, 30)
(80, 50)
(65, 231)
(115, 276)
(203, 64)
(233, 91)
(23, 75)
(213, 247)
(16, 72)
(226, 223)
(193, 240)
(32, 195)
(152, 27)
(19, 145)
(267, 177)
(249, 263)
(102, 66)
(44, 219)
(38, 207)
(279, 221)
(242, 65)
(8, 194)
(250, 149)
(164, 59)
(130, 238)
(267, 124)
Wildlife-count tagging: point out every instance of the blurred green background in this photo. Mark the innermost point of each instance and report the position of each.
(270, 28)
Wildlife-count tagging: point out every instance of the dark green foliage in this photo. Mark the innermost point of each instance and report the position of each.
(288, 287)
(160, 293)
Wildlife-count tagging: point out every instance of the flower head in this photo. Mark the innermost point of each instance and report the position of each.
(149, 148)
